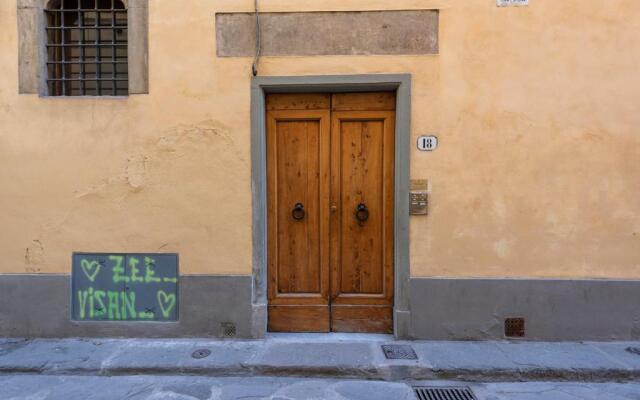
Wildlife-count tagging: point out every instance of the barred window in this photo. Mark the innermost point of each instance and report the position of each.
(87, 48)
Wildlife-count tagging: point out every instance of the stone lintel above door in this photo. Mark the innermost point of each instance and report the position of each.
(408, 32)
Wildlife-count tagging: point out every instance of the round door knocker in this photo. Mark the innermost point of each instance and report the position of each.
(298, 212)
(362, 213)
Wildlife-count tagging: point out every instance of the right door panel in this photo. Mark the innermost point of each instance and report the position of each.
(362, 228)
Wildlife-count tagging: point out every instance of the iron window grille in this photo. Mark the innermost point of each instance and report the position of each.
(87, 48)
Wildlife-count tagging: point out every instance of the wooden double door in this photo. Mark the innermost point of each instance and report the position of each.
(330, 172)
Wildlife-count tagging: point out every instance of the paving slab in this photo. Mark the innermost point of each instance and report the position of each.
(30, 387)
(62, 355)
(175, 356)
(469, 356)
(619, 352)
(565, 361)
(323, 358)
(556, 391)
(568, 356)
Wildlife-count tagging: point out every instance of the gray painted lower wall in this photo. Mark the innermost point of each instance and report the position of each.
(554, 310)
(440, 309)
(38, 306)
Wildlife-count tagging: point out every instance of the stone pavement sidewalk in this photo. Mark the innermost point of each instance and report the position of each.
(329, 355)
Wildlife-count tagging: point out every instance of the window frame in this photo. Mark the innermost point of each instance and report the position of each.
(32, 55)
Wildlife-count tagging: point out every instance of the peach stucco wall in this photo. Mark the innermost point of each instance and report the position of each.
(537, 110)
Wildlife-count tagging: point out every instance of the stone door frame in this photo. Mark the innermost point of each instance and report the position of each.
(260, 86)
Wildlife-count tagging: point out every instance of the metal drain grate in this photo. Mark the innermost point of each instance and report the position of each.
(444, 393)
(399, 352)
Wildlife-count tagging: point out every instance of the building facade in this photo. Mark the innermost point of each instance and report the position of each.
(152, 186)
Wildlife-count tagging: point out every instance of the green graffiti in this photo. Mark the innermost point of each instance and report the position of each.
(90, 269)
(114, 308)
(133, 262)
(118, 270)
(94, 300)
(82, 299)
(166, 302)
(128, 304)
(146, 315)
(150, 272)
(136, 287)
(100, 309)
(91, 306)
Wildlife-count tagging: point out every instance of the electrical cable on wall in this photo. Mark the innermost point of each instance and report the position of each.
(256, 58)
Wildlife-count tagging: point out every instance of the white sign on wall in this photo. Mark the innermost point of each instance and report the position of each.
(507, 3)
(427, 143)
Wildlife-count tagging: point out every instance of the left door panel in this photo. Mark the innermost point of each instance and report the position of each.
(298, 146)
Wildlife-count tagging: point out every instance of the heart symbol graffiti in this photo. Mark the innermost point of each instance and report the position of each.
(90, 269)
(166, 302)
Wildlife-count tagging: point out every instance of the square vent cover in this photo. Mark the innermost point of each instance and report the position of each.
(228, 330)
(444, 393)
(514, 327)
